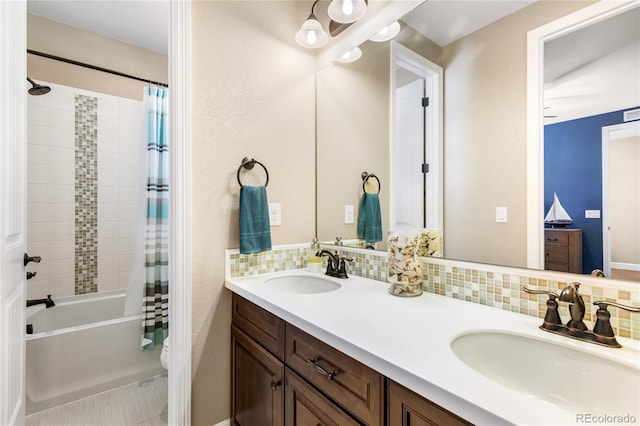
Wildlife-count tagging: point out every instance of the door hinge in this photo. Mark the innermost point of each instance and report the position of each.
(425, 167)
(425, 101)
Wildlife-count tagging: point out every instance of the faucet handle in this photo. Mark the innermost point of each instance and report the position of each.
(552, 319)
(603, 304)
(552, 295)
(602, 328)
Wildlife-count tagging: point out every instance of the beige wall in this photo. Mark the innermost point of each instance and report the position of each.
(253, 95)
(68, 42)
(624, 195)
(485, 136)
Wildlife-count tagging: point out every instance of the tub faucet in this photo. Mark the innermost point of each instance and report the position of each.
(48, 302)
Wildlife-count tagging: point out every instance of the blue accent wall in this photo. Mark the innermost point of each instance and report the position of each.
(573, 170)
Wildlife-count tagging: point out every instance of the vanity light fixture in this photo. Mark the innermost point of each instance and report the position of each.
(387, 33)
(311, 35)
(350, 56)
(347, 11)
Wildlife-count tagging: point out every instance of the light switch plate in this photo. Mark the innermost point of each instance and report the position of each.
(501, 214)
(348, 213)
(275, 214)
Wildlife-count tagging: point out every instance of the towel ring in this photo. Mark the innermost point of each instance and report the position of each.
(365, 177)
(248, 165)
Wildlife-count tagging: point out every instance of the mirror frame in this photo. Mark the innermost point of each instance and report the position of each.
(535, 105)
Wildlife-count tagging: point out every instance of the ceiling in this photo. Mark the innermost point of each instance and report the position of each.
(143, 23)
(445, 21)
(599, 74)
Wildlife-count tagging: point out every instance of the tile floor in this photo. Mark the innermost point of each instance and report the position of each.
(143, 403)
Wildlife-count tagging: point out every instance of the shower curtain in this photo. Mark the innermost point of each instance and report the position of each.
(156, 238)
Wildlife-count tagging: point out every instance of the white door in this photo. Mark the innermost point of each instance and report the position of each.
(409, 188)
(12, 209)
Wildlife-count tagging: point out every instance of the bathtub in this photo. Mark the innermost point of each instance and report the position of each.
(83, 346)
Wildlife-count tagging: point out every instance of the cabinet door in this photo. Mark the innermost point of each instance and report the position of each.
(257, 394)
(409, 409)
(305, 406)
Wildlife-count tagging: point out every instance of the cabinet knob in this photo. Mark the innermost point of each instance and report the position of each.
(275, 384)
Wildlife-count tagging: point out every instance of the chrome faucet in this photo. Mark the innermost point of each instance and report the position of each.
(575, 328)
(48, 302)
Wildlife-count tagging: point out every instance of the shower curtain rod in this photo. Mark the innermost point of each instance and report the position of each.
(94, 67)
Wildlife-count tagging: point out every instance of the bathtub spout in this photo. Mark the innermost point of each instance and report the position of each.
(48, 301)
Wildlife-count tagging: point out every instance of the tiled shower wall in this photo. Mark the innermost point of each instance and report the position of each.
(83, 150)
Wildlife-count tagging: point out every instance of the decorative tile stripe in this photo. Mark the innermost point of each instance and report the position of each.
(267, 261)
(86, 194)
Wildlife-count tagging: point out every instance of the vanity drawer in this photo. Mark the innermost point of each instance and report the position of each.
(556, 238)
(261, 325)
(351, 384)
(556, 254)
(305, 405)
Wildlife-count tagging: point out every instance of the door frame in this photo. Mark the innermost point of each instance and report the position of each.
(610, 134)
(432, 74)
(179, 388)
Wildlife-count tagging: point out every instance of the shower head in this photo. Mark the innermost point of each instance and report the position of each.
(38, 89)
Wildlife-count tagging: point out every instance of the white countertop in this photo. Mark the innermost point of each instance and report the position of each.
(408, 340)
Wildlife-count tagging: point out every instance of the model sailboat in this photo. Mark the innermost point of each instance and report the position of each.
(557, 216)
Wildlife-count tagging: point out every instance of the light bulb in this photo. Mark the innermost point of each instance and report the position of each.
(312, 37)
(347, 7)
(346, 11)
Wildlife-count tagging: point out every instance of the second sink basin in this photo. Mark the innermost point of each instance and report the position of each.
(302, 284)
(568, 378)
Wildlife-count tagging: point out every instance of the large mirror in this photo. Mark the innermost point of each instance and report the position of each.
(485, 129)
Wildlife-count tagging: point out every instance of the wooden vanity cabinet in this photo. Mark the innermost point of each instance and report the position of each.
(407, 408)
(284, 376)
(563, 250)
(263, 394)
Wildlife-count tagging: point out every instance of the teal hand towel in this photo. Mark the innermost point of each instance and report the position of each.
(369, 218)
(255, 231)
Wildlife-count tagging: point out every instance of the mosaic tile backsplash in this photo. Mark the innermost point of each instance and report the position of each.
(499, 287)
(86, 194)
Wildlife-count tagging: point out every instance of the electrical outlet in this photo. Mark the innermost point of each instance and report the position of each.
(592, 214)
(348, 213)
(275, 214)
(501, 214)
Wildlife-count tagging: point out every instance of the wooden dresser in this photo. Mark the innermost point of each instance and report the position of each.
(563, 250)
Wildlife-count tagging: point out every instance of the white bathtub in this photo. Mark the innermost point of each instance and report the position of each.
(81, 347)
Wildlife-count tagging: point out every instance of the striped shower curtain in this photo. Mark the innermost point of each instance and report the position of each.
(156, 240)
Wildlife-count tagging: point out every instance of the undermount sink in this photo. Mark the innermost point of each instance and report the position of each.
(570, 379)
(302, 284)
